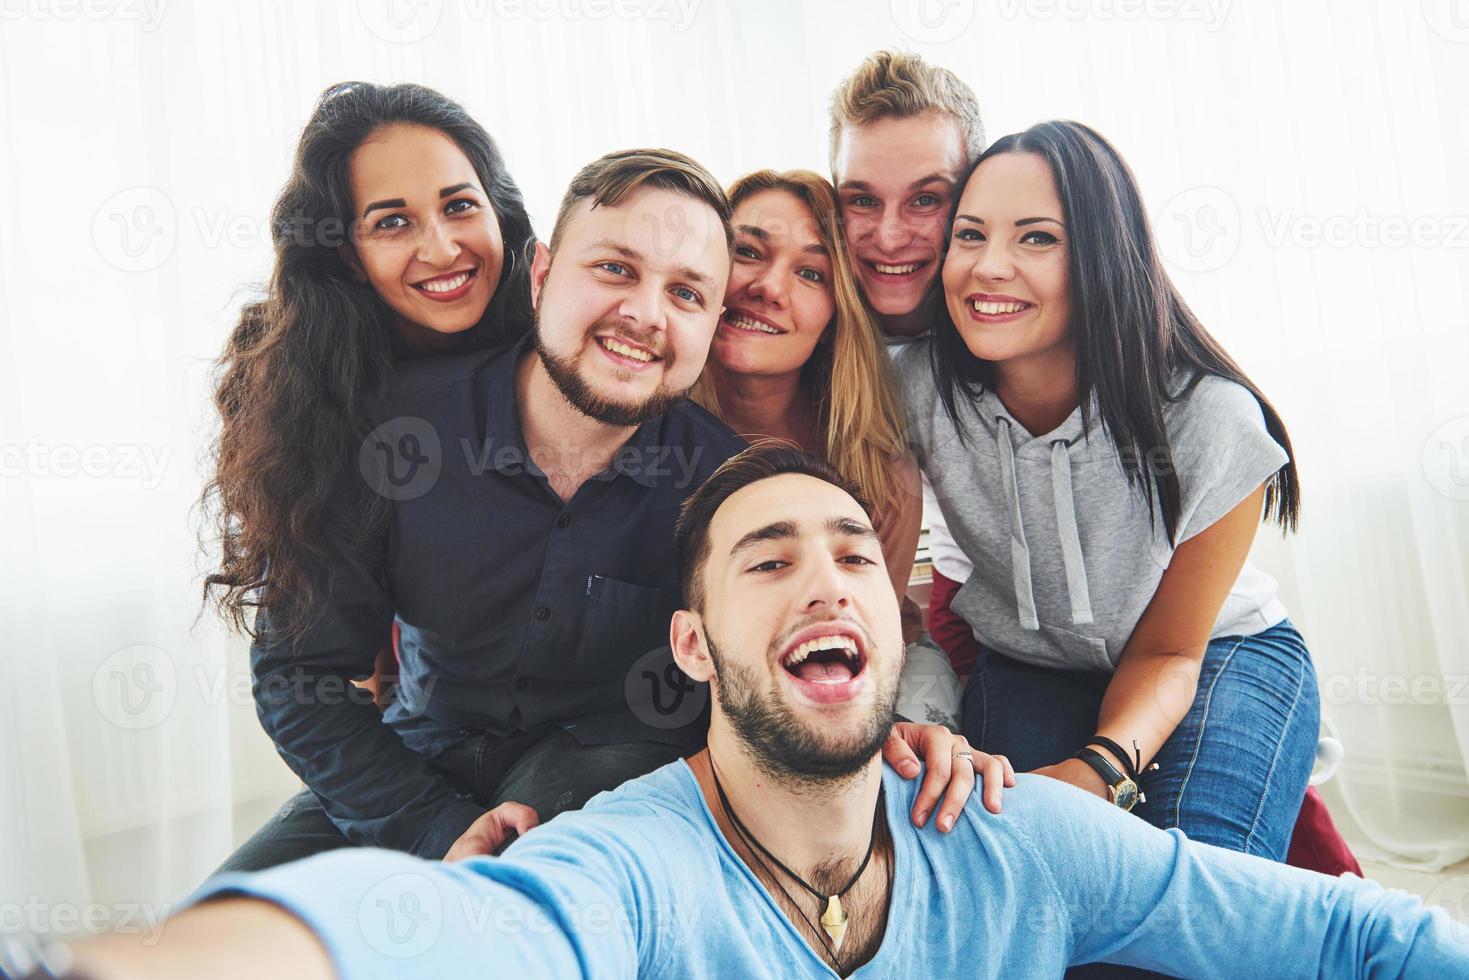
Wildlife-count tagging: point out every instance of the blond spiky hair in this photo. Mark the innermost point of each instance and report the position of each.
(901, 84)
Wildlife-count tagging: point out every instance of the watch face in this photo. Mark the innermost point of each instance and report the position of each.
(1124, 794)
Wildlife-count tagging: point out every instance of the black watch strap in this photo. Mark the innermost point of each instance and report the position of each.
(1124, 791)
(1110, 774)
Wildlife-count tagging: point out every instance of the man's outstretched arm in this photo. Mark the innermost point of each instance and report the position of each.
(365, 912)
(228, 939)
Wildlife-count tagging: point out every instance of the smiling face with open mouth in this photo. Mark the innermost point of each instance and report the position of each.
(425, 235)
(802, 625)
(1006, 278)
(895, 181)
(627, 305)
(780, 298)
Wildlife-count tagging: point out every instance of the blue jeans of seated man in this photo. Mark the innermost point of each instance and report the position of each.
(1233, 773)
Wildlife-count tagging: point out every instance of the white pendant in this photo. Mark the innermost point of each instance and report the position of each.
(834, 922)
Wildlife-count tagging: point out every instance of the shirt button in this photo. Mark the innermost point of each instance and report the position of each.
(521, 683)
(563, 521)
(543, 614)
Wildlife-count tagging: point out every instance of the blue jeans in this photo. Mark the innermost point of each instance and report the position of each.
(1234, 771)
(1232, 774)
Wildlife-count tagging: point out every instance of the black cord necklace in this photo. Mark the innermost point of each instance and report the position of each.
(834, 919)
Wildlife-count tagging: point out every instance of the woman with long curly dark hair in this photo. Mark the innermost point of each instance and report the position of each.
(399, 232)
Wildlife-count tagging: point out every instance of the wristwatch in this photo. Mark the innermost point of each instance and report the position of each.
(1121, 789)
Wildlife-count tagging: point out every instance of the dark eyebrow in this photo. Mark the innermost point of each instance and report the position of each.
(633, 255)
(1021, 223)
(786, 530)
(775, 531)
(392, 202)
(398, 202)
(849, 528)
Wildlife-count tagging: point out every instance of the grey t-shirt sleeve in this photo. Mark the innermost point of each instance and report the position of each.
(1221, 451)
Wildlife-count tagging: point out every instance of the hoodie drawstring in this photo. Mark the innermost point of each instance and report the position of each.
(1071, 556)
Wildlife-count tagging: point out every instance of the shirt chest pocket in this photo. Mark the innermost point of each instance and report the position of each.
(623, 622)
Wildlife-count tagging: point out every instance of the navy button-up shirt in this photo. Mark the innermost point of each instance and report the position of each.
(518, 612)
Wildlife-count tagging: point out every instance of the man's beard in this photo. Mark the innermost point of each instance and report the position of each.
(575, 389)
(781, 745)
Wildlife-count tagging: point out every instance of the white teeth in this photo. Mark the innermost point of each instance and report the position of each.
(445, 285)
(626, 351)
(896, 270)
(994, 309)
(837, 642)
(745, 323)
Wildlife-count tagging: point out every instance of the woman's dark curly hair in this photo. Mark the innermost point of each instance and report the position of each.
(305, 361)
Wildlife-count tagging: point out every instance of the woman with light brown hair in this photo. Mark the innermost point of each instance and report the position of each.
(797, 357)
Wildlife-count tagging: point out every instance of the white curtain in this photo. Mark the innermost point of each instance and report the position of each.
(1301, 162)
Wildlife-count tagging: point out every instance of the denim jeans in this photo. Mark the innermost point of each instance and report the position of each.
(549, 773)
(1233, 773)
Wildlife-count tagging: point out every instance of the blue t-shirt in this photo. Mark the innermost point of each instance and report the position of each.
(642, 883)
